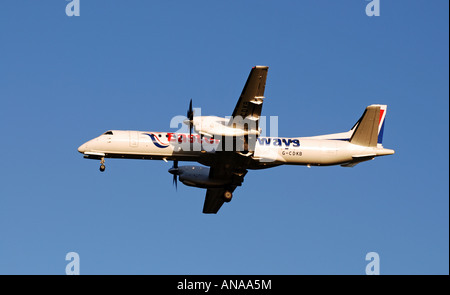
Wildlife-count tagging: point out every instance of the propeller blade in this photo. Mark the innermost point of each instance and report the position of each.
(174, 182)
(174, 171)
(190, 116)
(190, 112)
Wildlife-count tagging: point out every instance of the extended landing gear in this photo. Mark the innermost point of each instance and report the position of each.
(102, 165)
(227, 196)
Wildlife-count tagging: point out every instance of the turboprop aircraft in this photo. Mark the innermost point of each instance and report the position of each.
(228, 147)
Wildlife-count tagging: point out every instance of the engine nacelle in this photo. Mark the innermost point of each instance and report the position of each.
(198, 176)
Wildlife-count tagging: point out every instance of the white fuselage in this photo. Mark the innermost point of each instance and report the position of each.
(269, 151)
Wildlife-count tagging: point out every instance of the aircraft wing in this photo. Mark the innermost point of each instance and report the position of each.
(246, 115)
(213, 200)
(229, 167)
(251, 100)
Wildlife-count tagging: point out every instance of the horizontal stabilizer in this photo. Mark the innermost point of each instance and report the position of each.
(358, 159)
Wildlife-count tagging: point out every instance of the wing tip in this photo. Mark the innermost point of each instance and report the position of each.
(260, 67)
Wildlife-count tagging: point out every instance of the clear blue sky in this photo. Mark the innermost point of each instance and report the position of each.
(135, 65)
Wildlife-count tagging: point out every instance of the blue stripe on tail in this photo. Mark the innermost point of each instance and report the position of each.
(380, 135)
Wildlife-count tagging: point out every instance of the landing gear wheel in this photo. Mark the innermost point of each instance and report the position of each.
(102, 164)
(227, 196)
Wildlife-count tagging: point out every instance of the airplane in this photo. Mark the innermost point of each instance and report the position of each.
(228, 147)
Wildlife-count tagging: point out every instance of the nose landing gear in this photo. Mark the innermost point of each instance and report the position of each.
(102, 165)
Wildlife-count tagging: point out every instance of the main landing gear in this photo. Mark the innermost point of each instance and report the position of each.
(227, 196)
(102, 165)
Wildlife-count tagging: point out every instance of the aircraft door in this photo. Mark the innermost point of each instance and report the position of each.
(134, 138)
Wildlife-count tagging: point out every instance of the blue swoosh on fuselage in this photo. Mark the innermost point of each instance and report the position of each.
(155, 141)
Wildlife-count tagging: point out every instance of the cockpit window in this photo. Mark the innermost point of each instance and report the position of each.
(108, 133)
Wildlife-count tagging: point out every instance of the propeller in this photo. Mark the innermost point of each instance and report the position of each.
(174, 171)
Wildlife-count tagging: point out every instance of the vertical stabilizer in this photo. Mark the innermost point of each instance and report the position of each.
(368, 131)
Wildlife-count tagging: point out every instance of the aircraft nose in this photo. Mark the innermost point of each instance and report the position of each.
(82, 148)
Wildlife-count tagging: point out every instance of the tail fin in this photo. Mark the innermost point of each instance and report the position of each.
(368, 131)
